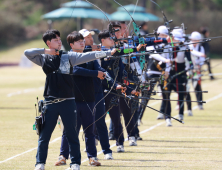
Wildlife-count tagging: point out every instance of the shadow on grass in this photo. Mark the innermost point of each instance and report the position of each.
(156, 152)
(201, 126)
(136, 166)
(17, 108)
(199, 120)
(187, 147)
(181, 141)
(153, 160)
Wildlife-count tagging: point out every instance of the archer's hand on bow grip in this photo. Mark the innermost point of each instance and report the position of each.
(52, 51)
(141, 47)
(118, 52)
(137, 94)
(113, 52)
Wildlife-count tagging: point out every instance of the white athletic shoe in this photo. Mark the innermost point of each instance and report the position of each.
(75, 167)
(132, 141)
(160, 116)
(180, 116)
(40, 167)
(177, 107)
(139, 122)
(190, 113)
(108, 156)
(200, 107)
(168, 122)
(120, 148)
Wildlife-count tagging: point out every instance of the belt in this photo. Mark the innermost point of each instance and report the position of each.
(53, 101)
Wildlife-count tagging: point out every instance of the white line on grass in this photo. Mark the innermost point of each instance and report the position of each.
(151, 128)
(214, 74)
(158, 124)
(24, 91)
(27, 151)
(54, 140)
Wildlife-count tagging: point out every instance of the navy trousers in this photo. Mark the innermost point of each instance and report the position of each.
(86, 119)
(163, 103)
(136, 117)
(199, 96)
(101, 124)
(177, 84)
(114, 114)
(144, 102)
(128, 117)
(67, 110)
(124, 108)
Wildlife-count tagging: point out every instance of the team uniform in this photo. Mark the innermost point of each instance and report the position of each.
(59, 97)
(156, 68)
(72, 91)
(198, 60)
(115, 111)
(178, 83)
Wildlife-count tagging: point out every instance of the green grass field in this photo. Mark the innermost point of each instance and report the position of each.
(197, 144)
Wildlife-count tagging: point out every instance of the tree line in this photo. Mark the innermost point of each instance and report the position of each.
(21, 19)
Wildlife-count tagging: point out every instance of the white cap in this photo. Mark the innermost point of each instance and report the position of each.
(178, 30)
(85, 32)
(195, 36)
(178, 35)
(162, 30)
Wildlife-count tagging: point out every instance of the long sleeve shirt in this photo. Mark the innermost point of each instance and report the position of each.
(108, 66)
(83, 82)
(180, 58)
(98, 84)
(37, 56)
(197, 54)
(58, 69)
(159, 57)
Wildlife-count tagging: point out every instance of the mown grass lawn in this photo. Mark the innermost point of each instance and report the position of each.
(197, 144)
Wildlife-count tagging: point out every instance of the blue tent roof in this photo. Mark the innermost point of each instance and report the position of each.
(131, 8)
(137, 16)
(66, 13)
(77, 4)
(137, 12)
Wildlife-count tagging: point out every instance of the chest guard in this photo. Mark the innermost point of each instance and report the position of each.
(59, 80)
(57, 64)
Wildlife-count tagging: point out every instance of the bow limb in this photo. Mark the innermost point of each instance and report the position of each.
(111, 29)
(137, 32)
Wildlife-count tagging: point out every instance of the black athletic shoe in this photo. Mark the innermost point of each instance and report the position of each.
(139, 138)
(111, 136)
